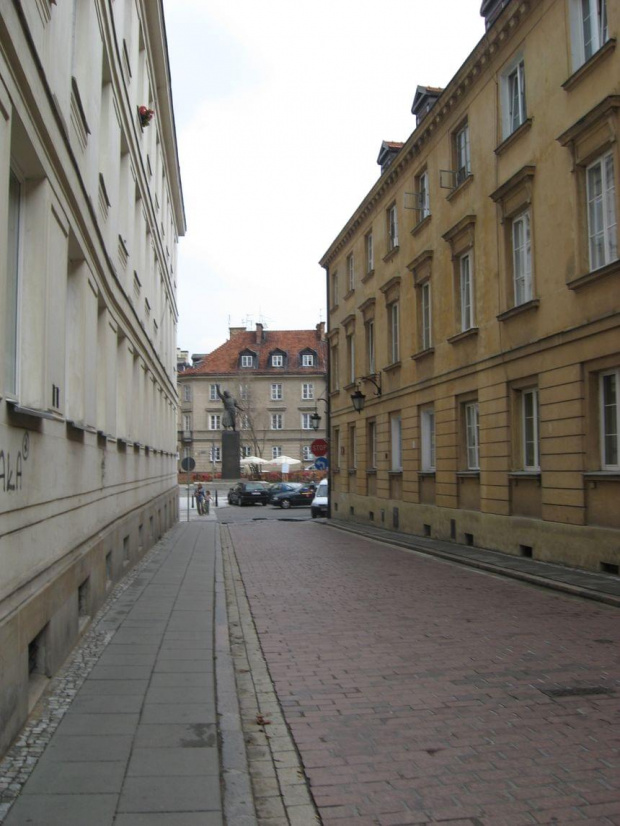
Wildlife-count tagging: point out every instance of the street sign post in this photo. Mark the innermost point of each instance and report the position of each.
(321, 463)
(188, 464)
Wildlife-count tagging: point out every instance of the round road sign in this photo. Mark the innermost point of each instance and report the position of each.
(319, 447)
(188, 463)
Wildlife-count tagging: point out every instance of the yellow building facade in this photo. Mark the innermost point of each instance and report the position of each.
(474, 302)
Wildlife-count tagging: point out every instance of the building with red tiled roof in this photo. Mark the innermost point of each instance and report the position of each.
(277, 378)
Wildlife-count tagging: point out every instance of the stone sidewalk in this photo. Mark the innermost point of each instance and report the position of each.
(138, 744)
(420, 691)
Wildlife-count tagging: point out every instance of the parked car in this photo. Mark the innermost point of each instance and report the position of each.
(319, 503)
(248, 493)
(293, 495)
(277, 487)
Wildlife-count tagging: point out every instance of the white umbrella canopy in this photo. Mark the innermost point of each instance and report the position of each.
(285, 460)
(253, 460)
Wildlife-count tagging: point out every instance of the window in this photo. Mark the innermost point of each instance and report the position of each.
(370, 346)
(307, 391)
(466, 291)
(276, 451)
(522, 258)
(277, 421)
(370, 255)
(11, 320)
(426, 340)
(371, 445)
(306, 424)
(215, 421)
(334, 368)
(393, 332)
(513, 103)
(423, 196)
(427, 431)
(276, 392)
(610, 419)
(334, 289)
(307, 454)
(277, 360)
(187, 423)
(215, 453)
(396, 442)
(187, 393)
(589, 29)
(246, 450)
(247, 361)
(245, 422)
(243, 392)
(351, 358)
(352, 448)
(472, 436)
(461, 154)
(529, 429)
(392, 222)
(350, 272)
(602, 222)
(307, 360)
(213, 393)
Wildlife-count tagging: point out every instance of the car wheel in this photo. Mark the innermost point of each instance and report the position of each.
(314, 514)
(265, 504)
(285, 503)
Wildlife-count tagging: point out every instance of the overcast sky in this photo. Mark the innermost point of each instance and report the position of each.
(281, 107)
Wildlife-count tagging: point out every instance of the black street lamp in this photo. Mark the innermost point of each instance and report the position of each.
(358, 398)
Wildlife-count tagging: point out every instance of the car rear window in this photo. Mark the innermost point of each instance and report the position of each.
(254, 486)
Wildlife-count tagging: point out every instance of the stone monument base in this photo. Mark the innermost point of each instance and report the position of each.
(231, 446)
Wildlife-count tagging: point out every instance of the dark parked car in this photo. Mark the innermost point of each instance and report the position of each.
(300, 495)
(248, 493)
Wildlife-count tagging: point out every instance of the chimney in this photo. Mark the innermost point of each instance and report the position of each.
(260, 336)
(320, 331)
(234, 331)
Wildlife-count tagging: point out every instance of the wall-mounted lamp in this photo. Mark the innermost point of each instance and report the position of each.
(315, 418)
(358, 398)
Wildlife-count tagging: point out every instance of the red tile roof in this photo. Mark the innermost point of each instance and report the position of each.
(226, 359)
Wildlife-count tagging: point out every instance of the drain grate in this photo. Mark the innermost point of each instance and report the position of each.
(577, 691)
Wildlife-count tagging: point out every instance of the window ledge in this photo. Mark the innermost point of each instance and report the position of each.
(423, 353)
(32, 412)
(532, 304)
(391, 254)
(421, 224)
(395, 472)
(602, 272)
(473, 331)
(349, 293)
(333, 308)
(602, 476)
(457, 189)
(350, 386)
(514, 136)
(392, 366)
(525, 474)
(371, 471)
(430, 474)
(468, 474)
(352, 471)
(585, 69)
(85, 428)
(368, 275)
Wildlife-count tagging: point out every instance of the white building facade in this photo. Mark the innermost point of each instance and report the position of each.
(91, 210)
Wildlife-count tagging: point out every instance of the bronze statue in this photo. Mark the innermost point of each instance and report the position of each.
(230, 409)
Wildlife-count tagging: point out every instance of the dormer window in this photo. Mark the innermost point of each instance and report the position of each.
(247, 359)
(277, 359)
(307, 358)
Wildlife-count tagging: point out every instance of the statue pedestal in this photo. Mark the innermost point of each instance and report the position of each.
(231, 454)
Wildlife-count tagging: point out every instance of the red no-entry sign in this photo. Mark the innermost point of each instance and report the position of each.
(319, 447)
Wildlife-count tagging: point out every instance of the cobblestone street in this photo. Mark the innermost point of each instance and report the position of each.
(419, 691)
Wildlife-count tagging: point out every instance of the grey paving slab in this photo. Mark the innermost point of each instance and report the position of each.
(120, 672)
(91, 777)
(184, 762)
(114, 658)
(187, 666)
(109, 687)
(108, 704)
(202, 654)
(83, 748)
(63, 810)
(190, 713)
(195, 736)
(171, 819)
(158, 794)
(183, 678)
(96, 724)
(178, 694)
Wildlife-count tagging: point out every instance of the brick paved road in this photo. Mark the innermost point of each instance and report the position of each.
(419, 691)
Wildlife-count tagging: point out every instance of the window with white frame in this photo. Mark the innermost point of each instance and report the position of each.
(306, 453)
(334, 368)
(462, 154)
(352, 447)
(427, 438)
(307, 390)
(277, 421)
(187, 422)
(215, 453)
(215, 421)
(392, 225)
(370, 253)
(276, 392)
(466, 291)
(371, 445)
(370, 346)
(602, 220)
(396, 442)
(522, 259)
(11, 319)
(277, 360)
(187, 393)
(472, 436)
(610, 419)
(426, 338)
(514, 111)
(424, 200)
(334, 289)
(247, 361)
(306, 423)
(394, 332)
(351, 358)
(350, 272)
(213, 393)
(245, 422)
(276, 451)
(243, 392)
(529, 429)
(589, 29)
(307, 360)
